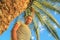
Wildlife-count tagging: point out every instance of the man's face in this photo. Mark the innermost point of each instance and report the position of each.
(28, 20)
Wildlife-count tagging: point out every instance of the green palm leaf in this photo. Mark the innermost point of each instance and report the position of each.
(40, 18)
(46, 12)
(36, 29)
(50, 28)
(55, 0)
(48, 5)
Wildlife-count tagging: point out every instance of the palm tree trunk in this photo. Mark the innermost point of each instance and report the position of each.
(10, 9)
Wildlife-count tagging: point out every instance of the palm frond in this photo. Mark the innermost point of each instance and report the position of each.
(50, 28)
(55, 0)
(48, 5)
(40, 18)
(27, 12)
(36, 29)
(37, 4)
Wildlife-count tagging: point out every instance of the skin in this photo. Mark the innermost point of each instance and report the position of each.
(14, 34)
(28, 20)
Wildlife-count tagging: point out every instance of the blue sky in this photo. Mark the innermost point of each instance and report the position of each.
(44, 34)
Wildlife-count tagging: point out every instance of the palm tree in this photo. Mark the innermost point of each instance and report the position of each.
(39, 9)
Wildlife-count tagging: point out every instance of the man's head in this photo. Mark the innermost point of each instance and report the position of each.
(28, 20)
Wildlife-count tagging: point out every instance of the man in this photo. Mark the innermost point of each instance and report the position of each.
(21, 31)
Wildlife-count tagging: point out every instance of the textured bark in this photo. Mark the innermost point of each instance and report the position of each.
(10, 9)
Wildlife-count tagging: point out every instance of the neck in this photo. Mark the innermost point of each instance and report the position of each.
(26, 23)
